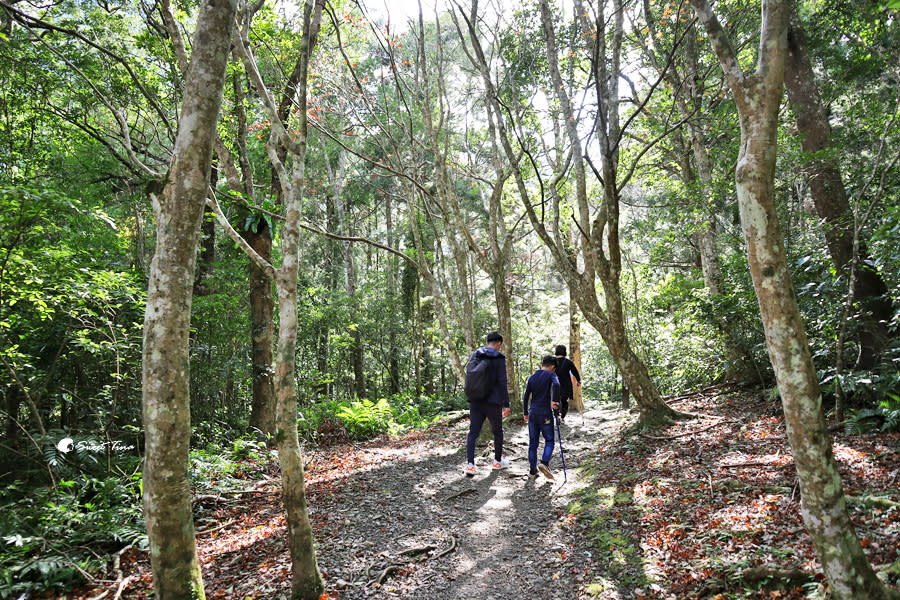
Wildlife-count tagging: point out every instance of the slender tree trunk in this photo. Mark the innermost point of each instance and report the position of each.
(504, 314)
(207, 251)
(357, 349)
(824, 507)
(166, 394)
(258, 233)
(435, 301)
(306, 583)
(709, 255)
(830, 198)
(575, 351)
(342, 224)
(575, 324)
(393, 284)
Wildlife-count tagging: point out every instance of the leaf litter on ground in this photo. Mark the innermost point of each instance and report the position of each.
(705, 508)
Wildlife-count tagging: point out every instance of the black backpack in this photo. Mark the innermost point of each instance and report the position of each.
(479, 377)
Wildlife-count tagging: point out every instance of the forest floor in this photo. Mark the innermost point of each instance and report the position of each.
(707, 508)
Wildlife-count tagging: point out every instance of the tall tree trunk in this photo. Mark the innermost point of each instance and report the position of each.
(436, 303)
(824, 507)
(258, 233)
(504, 322)
(262, 328)
(357, 349)
(342, 224)
(166, 394)
(709, 255)
(830, 198)
(306, 583)
(207, 250)
(575, 350)
(575, 323)
(392, 294)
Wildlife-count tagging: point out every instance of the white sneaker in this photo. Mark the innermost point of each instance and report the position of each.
(500, 464)
(470, 469)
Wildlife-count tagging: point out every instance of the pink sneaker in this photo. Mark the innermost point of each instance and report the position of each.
(470, 469)
(500, 464)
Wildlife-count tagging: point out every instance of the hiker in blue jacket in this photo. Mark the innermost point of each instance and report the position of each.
(542, 390)
(493, 407)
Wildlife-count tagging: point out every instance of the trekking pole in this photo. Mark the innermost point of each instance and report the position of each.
(562, 455)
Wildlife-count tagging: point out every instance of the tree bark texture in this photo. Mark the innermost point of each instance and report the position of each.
(709, 255)
(824, 508)
(262, 329)
(393, 277)
(435, 300)
(166, 397)
(306, 580)
(504, 314)
(575, 352)
(830, 198)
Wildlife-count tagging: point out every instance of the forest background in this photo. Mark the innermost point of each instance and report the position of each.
(564, 176)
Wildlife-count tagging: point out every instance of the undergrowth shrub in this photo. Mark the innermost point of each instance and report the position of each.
(884, 417)
(680, 344)
(364, 419)
(53, 535)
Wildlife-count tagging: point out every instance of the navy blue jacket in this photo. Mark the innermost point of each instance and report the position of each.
(542, 388)
(499, 393)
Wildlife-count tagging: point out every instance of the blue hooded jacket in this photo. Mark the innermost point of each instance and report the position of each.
(500, 393)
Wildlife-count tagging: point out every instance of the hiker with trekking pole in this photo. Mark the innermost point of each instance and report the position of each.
(540, 403)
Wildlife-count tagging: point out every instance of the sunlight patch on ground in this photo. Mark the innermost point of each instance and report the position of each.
(751, 516)
(861, 462)
(738, 459)
(603, 588)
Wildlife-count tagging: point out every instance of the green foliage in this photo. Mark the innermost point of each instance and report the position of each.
(220, 346)
(54, 535)
(884, 417)
(364, 419)
(248, 449)
(222, 469)
(677, 334)
(70, 316)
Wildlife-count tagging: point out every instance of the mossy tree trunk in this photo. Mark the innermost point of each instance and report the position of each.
(824, 507)
(166, 394)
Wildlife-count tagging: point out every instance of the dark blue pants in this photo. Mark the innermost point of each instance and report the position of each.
(478, 412)
(540, 423)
